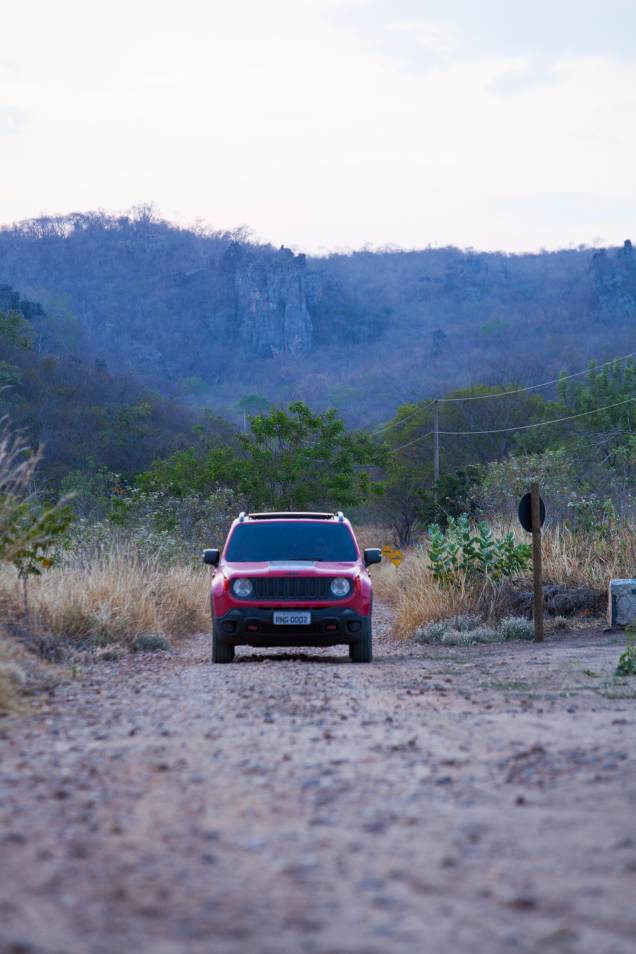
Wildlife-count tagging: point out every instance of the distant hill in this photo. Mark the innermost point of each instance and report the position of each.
(89, 419)
(209, 317)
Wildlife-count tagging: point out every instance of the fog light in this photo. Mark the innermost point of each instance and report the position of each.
(354, 626)
(229, 627)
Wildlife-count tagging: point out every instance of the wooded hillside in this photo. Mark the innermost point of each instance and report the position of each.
(210, 317)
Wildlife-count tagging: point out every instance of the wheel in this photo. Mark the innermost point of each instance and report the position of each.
(222, 651)
(362, 650)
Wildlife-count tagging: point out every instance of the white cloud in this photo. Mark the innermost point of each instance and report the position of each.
(278, 116)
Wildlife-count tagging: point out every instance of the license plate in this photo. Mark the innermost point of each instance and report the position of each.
(298, 618)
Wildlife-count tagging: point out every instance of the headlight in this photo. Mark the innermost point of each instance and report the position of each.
(242, 588)
(340, 586)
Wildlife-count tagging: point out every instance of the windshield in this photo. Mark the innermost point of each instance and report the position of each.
(275, 540)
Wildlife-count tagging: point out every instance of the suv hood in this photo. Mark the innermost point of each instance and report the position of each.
(291, 567)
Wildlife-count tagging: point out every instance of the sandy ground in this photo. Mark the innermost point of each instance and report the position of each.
(456, 800)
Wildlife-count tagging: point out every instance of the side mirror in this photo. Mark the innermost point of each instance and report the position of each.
(211, 557)
(372, 555)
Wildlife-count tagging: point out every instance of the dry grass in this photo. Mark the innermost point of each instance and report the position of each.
(573, 560)
(577, 559)
(9, 684)
(22, 673)
(419, 599)
(113, 597)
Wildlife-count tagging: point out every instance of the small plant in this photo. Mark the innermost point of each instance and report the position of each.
(458, 553)
(152, 643)
(41, 530)
(108, 654)
(627, 660)
(468, 630)
(482, 634)
(432, 632)
(515, 627)
(467, 622)
(448, 633)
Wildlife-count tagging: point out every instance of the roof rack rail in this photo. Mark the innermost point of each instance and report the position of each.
(339, 516)
(242, 516)
(291, 515)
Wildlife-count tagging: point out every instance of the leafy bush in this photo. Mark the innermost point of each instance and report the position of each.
(584, 493)
(457, 552)
(627, 661)
(161, 527)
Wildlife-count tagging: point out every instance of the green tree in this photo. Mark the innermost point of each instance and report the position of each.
(15, 330)
(252, 404)
(294, 459)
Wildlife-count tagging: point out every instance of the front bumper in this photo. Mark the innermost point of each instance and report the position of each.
(252, 626)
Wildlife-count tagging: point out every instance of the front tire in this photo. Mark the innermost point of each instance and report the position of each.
(362, 650)
(222, 651)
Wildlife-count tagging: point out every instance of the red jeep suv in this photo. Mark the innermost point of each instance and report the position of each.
(291, 579)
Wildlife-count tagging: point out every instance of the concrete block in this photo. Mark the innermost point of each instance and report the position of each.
(621, 607)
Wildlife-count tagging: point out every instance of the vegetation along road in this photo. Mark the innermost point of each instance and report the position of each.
(456, 799)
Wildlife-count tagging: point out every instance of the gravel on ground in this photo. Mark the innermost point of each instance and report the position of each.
(475, 799)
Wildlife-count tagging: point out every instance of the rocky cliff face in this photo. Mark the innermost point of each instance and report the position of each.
(274, 303)
(272, 309)
(613, 278)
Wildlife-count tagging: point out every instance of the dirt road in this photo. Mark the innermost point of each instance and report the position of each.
(457, 800)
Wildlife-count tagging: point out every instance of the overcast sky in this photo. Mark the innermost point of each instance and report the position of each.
(328, 124)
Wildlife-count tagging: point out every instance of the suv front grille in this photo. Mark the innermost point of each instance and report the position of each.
(292, 588)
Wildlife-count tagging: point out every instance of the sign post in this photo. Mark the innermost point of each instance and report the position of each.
(537, 569)
(531, 517)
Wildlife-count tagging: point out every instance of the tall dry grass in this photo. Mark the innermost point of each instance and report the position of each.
(9, 685)
(569, 559)
(115, 596)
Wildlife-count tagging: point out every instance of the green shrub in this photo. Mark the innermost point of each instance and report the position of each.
(627, 661)
(458, 552)
(174, 529)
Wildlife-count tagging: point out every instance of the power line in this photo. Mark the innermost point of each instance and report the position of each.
(518, 427)
(499, 394)
(403, 420)
(557, 420)
(394, 450)
(535, 387)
